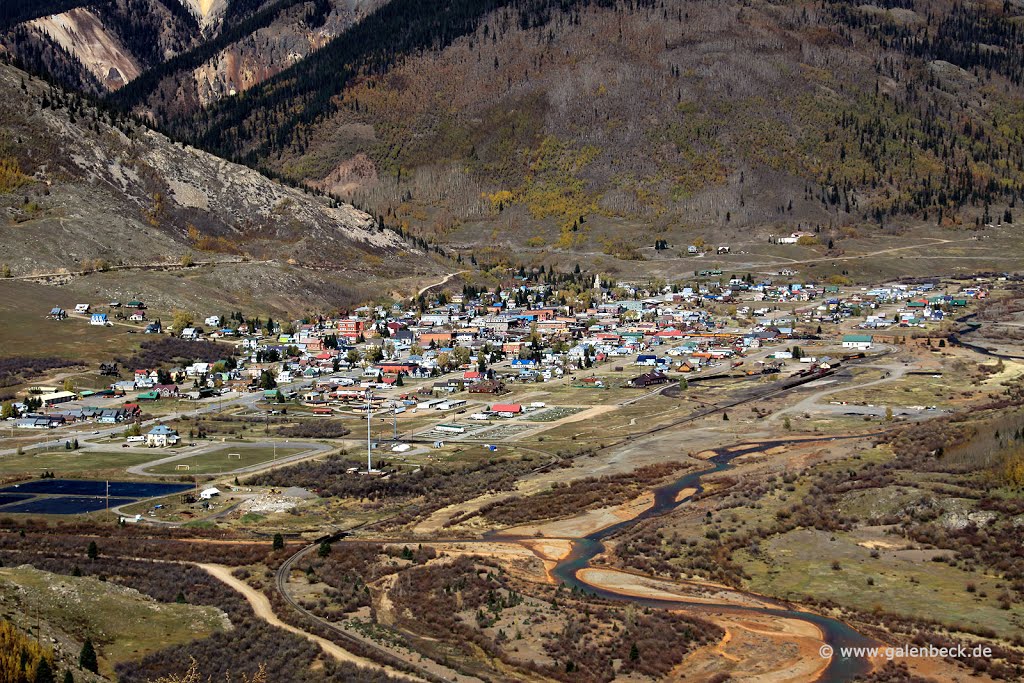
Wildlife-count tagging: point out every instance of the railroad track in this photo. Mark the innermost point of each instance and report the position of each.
(385, 655)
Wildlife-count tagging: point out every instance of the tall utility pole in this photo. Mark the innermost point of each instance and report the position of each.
(369, 448)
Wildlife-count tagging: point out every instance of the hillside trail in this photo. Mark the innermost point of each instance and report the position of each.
(160, 265)
(443, 281)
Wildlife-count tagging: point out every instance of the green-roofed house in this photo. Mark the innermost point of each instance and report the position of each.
(860, 342)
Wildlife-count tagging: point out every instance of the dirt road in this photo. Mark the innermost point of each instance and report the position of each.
(894, 371)
(442, 282)
(261, 606)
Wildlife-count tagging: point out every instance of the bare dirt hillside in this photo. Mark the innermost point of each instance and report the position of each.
(81, 190)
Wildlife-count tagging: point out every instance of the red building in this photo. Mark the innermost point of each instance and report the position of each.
(350, 327)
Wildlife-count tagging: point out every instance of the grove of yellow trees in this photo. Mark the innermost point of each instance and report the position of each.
(21, 657)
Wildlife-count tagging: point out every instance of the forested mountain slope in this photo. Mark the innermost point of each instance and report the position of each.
(100, 46)
(565, 123)
(601, 125)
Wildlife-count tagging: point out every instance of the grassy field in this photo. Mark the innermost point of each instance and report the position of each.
(904, 581)
(217, 462)
(124, 624)
(76, 463)
(23, 307)
(910, 390)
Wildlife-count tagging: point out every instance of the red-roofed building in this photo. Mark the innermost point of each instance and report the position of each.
(507, 409)
(395, 367)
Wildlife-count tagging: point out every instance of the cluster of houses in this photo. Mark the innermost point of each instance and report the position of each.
(482, 342)
(133, 311)
(60, 418)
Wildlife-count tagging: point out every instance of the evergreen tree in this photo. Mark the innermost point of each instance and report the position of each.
(267, 380)
(87, 658)
(278, 542)
(44, 674)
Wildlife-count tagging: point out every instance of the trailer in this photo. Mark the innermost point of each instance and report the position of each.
(451, 428)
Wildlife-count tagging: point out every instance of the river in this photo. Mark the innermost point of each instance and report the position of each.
(836, 633)
(957, 339)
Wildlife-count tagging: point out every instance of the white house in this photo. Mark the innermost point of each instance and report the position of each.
(198, 369)
(161, 436)
(81, 308)
(207, 494)
(860, 342)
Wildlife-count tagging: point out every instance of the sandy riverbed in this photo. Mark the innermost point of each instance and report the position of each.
(588, 522)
